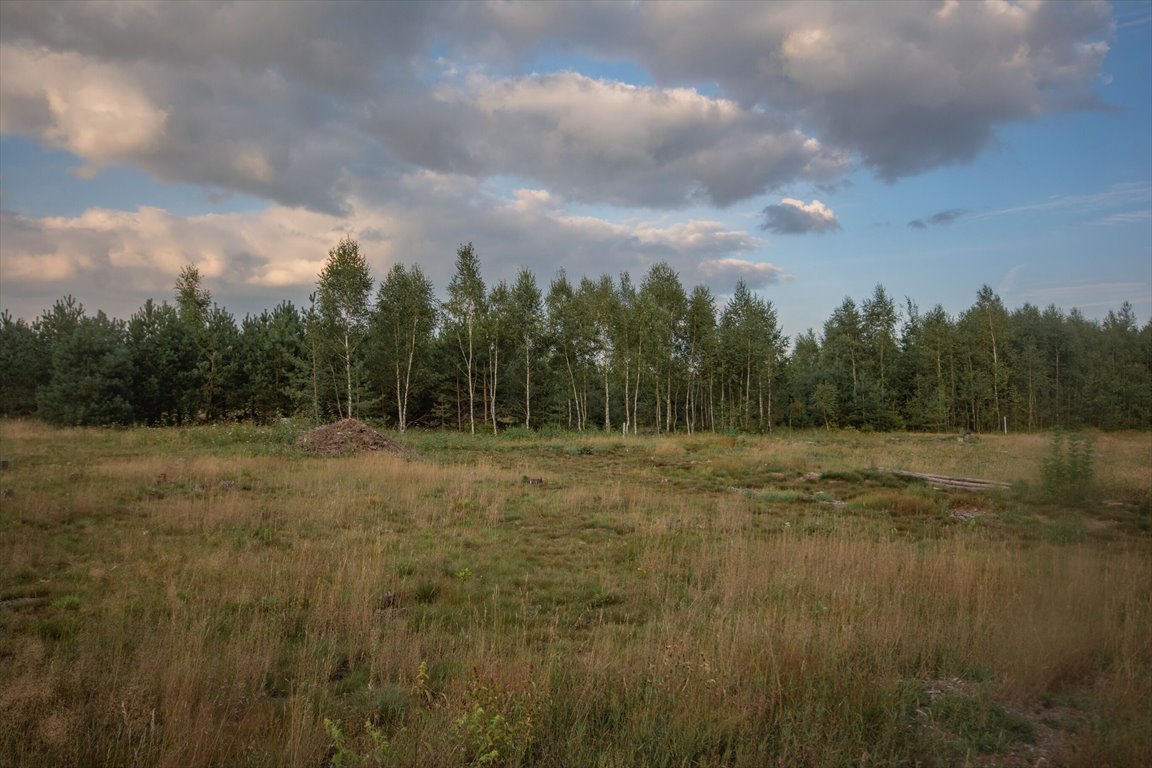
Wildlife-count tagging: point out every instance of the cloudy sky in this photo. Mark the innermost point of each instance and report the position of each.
(812, 149)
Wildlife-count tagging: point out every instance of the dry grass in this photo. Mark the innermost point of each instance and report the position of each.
(210, 597)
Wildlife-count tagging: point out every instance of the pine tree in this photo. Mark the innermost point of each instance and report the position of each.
(91, 376)
(19, 367)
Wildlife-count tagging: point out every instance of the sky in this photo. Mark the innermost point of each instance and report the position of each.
(812, 149)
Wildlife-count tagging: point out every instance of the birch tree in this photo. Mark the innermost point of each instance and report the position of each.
(403, 323)
(526, 318)
(342, 292)
(464, 311)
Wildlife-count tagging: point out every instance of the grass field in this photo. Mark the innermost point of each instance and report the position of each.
(212, 597)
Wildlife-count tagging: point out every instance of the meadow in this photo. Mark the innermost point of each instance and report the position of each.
(213, 596)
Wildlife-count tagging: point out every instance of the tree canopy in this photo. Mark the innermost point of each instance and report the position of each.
(600, 352)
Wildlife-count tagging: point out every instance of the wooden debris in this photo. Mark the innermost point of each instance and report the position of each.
(953, 483)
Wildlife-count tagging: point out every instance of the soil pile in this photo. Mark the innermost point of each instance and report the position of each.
(347, 436)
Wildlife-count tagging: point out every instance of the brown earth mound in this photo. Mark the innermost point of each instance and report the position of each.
(347, 436)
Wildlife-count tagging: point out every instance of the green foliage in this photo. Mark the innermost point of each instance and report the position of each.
(163, 356)
(526, 317)
(401, 334)
(824, 402)
(91, 376)
(597, 353)
(192, 299)
(1067, 473)
(751, 349)
(342, 291)
(19, 355)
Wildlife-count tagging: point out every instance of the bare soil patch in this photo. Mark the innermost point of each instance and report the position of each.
(346, 436)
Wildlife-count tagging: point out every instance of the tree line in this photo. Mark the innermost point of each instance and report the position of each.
(590, 354)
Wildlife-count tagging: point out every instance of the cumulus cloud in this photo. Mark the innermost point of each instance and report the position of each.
(599, 141)
(93, 110)
(295, 106)
(795, 217)
(390, 119)
(148, 246)
(943, 218)
(907, 86)
(253, 259)
(727, 271)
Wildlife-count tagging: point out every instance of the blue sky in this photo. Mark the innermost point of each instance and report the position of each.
(812, 149)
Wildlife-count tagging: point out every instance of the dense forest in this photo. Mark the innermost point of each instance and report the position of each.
(593, 354)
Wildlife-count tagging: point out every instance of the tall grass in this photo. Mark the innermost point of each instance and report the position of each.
(167, 600)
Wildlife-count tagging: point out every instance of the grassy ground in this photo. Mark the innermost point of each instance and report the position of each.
(209, 596)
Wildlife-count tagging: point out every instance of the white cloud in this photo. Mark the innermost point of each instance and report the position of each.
(756, 274)
(600, 141)
(252, 260)
(345, 122)
(96, 111)
(909, 86)
(296, 106)
(1129, 217)
(795, 217)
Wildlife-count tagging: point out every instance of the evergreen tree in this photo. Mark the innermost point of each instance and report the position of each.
(91, 376)
(20, 363)
(272, 344)
(163, 358)
(218, 368)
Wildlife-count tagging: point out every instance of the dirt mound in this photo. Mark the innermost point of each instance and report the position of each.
(347, 436)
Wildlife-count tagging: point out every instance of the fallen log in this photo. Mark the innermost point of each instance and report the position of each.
(954, 483)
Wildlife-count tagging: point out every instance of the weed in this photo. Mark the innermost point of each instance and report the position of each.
(420, 687)
(495, 727)
(1068, 471)
(343, 754)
